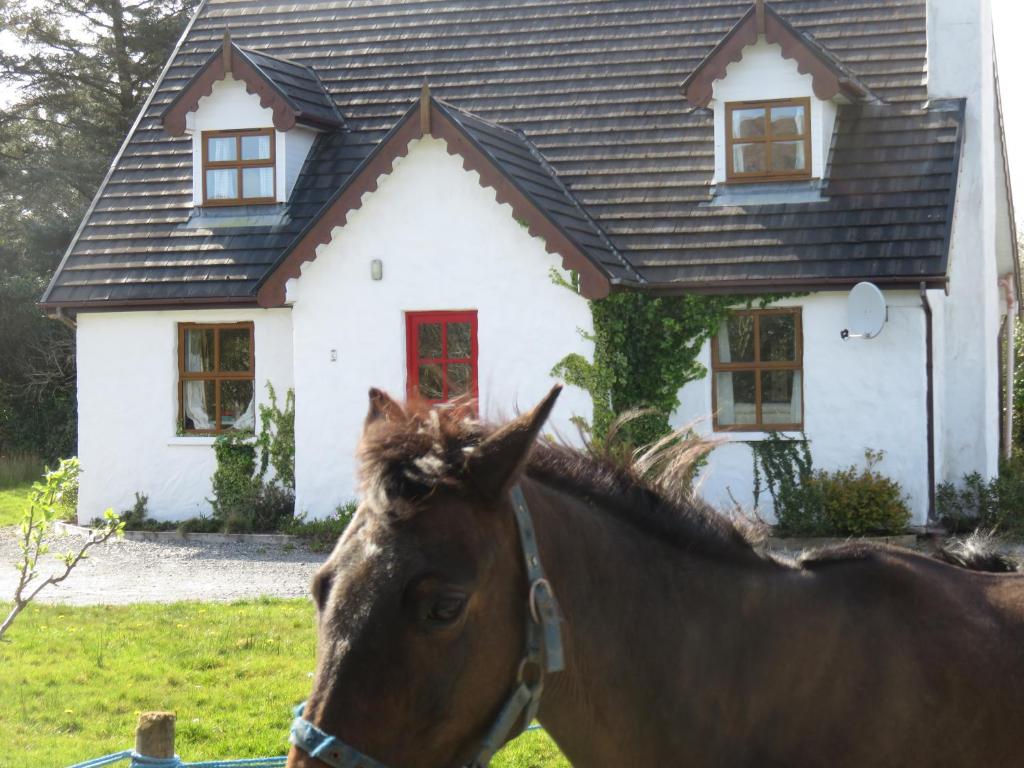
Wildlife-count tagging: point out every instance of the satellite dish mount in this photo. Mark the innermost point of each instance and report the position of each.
(866, 312)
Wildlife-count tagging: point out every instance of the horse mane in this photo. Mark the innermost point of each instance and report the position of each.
(977, 552)
(404, 462)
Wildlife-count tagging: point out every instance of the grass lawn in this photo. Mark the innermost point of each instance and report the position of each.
(72, 680)
(12, 504)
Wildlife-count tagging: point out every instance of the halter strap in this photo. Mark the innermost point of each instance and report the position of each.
(543, 654)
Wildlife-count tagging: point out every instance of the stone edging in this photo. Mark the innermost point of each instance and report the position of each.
(908, 541)
(199, 538)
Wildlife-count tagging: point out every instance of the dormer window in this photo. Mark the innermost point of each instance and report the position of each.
(768, 140)
(238, 167)
(253, 118)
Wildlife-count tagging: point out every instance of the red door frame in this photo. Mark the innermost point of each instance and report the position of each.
(412, 321)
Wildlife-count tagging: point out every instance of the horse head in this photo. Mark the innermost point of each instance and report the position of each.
(421, 606)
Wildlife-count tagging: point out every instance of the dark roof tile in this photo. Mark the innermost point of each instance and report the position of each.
(579, 101)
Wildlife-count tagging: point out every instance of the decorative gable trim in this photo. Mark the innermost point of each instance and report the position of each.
(829, 77)
(231, 59)
(428, 117)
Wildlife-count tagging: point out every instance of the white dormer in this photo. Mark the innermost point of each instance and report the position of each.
(238, 157)
(253, 118)
(769, 125)
(774, 93)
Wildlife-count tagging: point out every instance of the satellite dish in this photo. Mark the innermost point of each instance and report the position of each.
(866, 312)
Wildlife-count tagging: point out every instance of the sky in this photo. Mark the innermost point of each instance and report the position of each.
(1008, 15)
(1008, 18)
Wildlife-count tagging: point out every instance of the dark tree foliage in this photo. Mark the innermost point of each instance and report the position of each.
(82, 69)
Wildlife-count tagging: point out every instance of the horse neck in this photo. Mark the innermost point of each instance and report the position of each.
(636, 632)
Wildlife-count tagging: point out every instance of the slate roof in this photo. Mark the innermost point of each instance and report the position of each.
(594, 87)
(299, 84)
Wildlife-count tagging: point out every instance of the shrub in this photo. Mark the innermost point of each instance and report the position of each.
(810, 502)
(996, 504)
(235, 483)
(861, 502)
(277, 437)
(243, 500)
(322, 535)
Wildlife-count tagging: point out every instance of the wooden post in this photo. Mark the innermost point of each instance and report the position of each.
(154, 735)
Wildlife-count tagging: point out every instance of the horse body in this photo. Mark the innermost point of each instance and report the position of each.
(860, 656)
(683, 645)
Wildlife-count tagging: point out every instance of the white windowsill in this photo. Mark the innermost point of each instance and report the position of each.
(191, 440)
(753, 437)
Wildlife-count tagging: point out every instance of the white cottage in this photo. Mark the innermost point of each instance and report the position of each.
(293, 205)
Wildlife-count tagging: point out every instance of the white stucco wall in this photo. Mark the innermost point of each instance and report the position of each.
(445, 244)
(128, 404)
(762, 74)
(858, 394)
(229, 107)
(960, 65)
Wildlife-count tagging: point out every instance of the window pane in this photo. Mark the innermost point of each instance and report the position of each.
(787, 121)
(735, 398)
(199, 350)
(459, 341)
(237, 405)
(430, 382)
(778, 338)
(198, 403)
(780, 397)
(736, 339)
(257, 182)
(235, 349)
(222, 184)
(256, 147)
(220, 149)
(747, 123)
(428, 340)
(459, 379)
(748, 158)
(788, 156)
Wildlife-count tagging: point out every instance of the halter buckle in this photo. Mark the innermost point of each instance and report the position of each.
(535, 608)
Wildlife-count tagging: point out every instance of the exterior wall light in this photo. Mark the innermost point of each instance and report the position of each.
(377, 269)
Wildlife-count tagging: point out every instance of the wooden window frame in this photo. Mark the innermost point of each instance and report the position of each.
(216, 375)
(767, 140)
(757, 367)
(413, 360)
(239, 164)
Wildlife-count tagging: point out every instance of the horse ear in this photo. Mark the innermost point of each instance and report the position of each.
(494, 464)
(382, 407)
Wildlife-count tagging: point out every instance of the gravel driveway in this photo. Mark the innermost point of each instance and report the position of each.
(122, 572)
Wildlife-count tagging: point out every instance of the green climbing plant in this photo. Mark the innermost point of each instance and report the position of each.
(645, 351)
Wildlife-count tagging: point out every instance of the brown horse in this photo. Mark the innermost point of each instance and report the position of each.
(683, 645)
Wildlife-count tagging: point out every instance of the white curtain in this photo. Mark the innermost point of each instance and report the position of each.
(726, 404)
(222, 184)
(247, 420)
(196, 406)
(796, 404)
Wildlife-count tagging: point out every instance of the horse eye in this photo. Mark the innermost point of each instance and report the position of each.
(446, 608)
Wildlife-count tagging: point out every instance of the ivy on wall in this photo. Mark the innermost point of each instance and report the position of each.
(645, 351)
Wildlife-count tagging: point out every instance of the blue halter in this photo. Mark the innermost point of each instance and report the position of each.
(543, 654)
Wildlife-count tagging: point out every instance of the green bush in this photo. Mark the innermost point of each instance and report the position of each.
(243, 500)
(235, 482)
(974, 502)
(814, 502)
(861, 502)
(322, 535)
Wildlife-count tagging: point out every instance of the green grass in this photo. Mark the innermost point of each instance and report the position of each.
(73, 679)
(13, 502)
